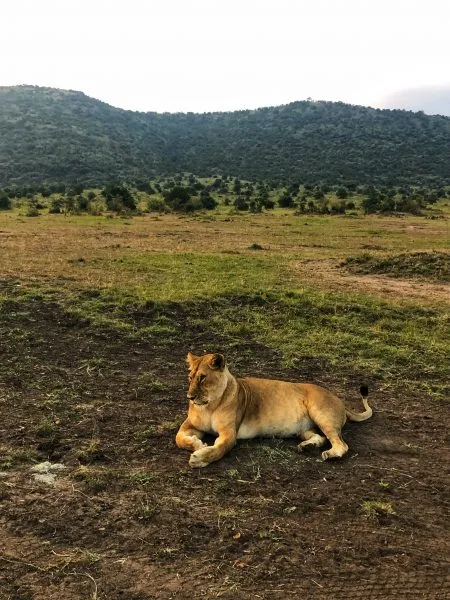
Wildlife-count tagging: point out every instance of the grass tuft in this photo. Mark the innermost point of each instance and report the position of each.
(372, 509)
(434, 266)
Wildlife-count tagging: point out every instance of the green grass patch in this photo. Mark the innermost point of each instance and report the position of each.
(434, 266)
(160, 276)
(352, 334)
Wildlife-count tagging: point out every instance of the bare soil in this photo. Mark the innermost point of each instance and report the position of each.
(128, 519)
(334, 276)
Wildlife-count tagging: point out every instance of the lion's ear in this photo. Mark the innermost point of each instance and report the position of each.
(191, 359)
(217, 361)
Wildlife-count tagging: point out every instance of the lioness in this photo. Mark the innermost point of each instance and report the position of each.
(219, 403)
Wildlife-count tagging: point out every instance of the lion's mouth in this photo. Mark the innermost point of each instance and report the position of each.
(199, 402)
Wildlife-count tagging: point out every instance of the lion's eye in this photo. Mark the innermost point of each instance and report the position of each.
(202, 378)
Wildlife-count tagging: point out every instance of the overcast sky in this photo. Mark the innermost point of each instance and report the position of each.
(209, 55)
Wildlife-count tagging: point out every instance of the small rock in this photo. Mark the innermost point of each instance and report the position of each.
(45, 472)
(47, 478)
(48, 467)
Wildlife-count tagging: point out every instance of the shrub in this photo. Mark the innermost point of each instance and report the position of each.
(207, 201)
(118, 197)
(342, 192)
(31, 208)
(286, 201)
(82, 204)
(5, 202)
(55, 206)
(338, 208)
(157, 205)
(240, 203)
(178, 198)
(269, 204)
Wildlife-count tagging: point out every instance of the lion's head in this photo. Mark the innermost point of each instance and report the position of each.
(207, 378)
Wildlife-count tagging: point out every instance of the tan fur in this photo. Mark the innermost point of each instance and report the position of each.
(232, 408)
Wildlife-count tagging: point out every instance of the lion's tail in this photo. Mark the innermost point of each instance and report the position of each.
(354, 416)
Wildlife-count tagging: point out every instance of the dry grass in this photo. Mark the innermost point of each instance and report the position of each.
(290, 296)
(101, 252)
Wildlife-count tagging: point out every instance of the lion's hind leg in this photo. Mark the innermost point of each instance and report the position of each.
(333, 433)
(311, 438)
(328, 414)
(338, 446)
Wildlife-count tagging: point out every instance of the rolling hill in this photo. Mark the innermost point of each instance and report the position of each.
(52, 135)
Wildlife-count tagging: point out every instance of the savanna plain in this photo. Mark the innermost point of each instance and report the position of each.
(97, 314)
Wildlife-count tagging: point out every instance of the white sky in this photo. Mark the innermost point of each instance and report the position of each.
(204, 55)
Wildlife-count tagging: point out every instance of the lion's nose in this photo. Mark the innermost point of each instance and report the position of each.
(191, 396)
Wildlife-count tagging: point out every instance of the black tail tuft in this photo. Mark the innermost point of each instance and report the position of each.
(364, 391)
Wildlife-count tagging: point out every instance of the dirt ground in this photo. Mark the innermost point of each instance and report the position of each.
(128, 519)
(333, 273)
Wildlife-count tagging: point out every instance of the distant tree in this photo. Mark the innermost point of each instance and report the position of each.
(286, 200)
(342, 192)
(5, 202)
(118, 197)
(207, 201)
(77, 188)
(293, 188)
(268, 203)
(338, 207)
(433, 196)
(302, 202)
(82, 203)
(58, 188)
(255, 205)
(157, 205)
(318, 193)
(371, 203)
(55, 206)
(31, 209)
(322, 206)
(69, 206)
(178, 198)
(198, 186)
(311, 206)
(142, 185)
(240, 203)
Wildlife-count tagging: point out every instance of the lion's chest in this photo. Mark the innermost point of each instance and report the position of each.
(201, 419)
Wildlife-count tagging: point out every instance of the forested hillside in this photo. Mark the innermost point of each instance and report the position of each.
(49, 135)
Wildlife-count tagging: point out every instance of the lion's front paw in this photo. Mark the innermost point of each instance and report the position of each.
(197, 443)
(200, 458)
